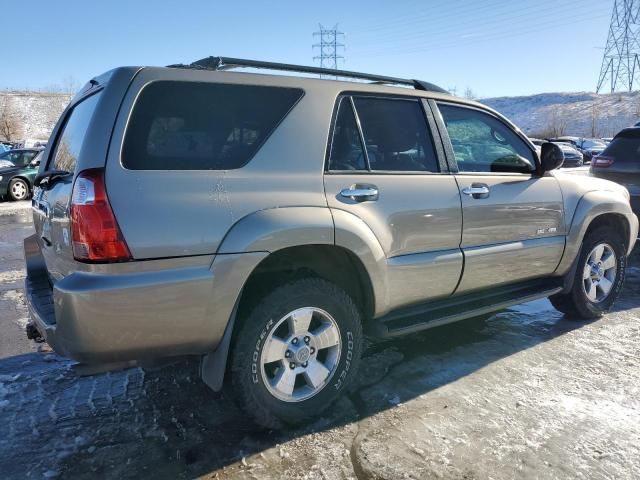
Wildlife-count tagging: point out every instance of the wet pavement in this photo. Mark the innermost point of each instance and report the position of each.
(524, 393)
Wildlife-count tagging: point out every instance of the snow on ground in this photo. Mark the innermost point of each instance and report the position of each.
(524, 393)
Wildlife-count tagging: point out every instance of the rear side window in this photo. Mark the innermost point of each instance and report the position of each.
(72, 135)
(202, 126)
(396, 135)
(624, 150)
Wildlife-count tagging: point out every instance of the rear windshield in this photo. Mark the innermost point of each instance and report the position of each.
(624, 150)
(202, 126)
(72, 135)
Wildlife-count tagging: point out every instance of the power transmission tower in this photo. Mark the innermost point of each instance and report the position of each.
(328, 47)
(621, 61)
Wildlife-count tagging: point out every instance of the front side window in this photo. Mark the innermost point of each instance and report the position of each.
(482, 143)
(396, 135)
(202, 126)
(72, 135)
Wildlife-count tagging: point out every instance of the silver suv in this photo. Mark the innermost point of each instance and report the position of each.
(265, 223)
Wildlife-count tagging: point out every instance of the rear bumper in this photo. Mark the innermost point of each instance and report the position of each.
(97, 317)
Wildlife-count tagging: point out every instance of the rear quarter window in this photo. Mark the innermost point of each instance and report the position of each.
(70, 139)
(202, 126)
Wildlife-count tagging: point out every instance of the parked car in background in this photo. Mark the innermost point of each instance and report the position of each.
(590, 147)
(566, 139)
(267, 223)
(572, 156)
(4, 148)
(18, 169)
(620, 163)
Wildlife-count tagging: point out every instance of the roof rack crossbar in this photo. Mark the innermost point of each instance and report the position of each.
(225, 63)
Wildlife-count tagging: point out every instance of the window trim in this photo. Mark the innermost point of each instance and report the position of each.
(430, 124)
(453, 164)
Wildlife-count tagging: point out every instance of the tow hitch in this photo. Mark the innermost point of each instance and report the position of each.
(33, 333)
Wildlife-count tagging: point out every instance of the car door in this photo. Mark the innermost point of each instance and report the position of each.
(512, 216)
(384, 170)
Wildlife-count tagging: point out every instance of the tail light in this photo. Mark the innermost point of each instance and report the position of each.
(95, 234)
(601, 161)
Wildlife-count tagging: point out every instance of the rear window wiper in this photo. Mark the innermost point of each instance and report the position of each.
(45, 178)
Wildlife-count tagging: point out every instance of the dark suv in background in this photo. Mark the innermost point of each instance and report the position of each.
(620, 162)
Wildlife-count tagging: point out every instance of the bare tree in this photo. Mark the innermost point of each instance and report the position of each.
(557, 122)
(10, 125)
(69, 85)
(595, 122)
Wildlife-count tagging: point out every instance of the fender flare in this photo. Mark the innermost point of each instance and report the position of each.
(590, 206)
(277, 228)
(353, 234)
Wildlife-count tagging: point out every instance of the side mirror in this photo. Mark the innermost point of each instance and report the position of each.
(551, 156)
(34, 164)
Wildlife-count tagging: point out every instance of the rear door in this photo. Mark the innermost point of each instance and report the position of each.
(512, 217)
(385, 170)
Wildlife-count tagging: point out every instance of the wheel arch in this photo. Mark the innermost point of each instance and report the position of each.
(595, 209)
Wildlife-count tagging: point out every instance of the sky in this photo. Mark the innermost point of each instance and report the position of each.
(493, 47)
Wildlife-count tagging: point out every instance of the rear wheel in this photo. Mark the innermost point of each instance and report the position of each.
(18, 189)
(598, 278)
(296, 352)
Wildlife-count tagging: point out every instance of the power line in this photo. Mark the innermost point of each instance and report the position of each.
(480, 37)
(621, 59)
(328, 47)
(492, 26)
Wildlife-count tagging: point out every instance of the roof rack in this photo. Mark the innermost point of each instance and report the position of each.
(226, 63)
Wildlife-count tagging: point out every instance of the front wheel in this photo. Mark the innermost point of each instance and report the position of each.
(296, 352)
(598, 279)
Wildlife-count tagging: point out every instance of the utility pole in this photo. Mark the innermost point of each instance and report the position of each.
(621, 61)
(328, 47)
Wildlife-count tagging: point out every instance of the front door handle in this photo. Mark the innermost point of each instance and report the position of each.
(477, 190)
(360, 193)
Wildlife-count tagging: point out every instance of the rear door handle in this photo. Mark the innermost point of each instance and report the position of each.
(477, 190)
(361, 193)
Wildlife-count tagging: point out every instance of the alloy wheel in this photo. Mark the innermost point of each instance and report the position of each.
(301, 354)
(599, 273)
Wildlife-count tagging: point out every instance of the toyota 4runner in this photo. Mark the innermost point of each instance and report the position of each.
(265, 223)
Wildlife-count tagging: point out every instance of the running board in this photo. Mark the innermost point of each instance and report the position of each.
(460, 307)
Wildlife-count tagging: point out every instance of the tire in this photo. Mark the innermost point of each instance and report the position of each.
(18, 189)
(577, 304)
(268, 334)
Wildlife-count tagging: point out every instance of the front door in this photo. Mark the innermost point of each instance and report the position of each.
(512, 217)
(383, 169)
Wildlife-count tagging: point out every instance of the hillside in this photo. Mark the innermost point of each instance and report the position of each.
(33, 113)
(542, 115)
(579, 114)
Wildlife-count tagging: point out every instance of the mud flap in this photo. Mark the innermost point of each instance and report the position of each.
(213, 365)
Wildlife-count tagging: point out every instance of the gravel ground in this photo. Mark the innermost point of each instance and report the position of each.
(524, 393)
